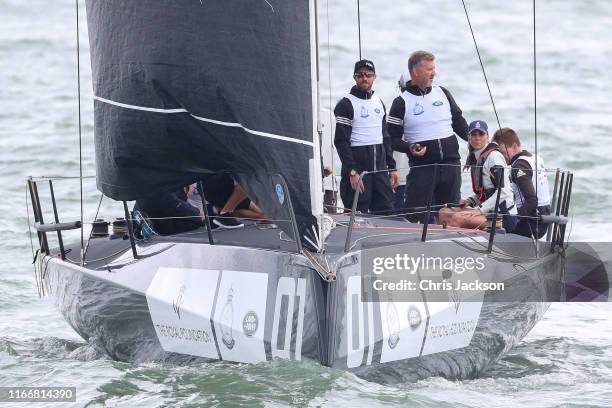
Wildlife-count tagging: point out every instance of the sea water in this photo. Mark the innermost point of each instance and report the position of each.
(565, 361)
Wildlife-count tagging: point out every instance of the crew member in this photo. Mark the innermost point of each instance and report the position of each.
(525, 184)
(489, 172)
(363, 144)
(423, 123)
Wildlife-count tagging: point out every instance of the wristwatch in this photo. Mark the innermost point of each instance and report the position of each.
(354, 173)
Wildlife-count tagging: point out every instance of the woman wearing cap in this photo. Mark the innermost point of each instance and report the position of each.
(488, 171)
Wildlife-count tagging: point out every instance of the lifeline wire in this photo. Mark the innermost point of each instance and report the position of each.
(481, 64)
(78, 47)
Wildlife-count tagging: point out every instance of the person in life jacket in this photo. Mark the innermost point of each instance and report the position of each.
(530, 188)
(488, 171)
(363, 144)
(424, 123)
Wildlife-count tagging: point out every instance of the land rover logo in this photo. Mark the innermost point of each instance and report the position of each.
(280, 193)
(414, 317)
(377, 110)
(438, 103)
(250, 323)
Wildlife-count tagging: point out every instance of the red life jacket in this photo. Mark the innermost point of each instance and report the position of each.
(476, 171)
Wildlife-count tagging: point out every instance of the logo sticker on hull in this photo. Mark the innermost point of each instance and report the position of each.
(250, 323)
(242, 300)
(227, 321)
(280, 193)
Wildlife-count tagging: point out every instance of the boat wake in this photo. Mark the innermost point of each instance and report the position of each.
(50, 347)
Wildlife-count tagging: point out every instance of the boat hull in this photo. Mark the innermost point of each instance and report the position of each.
(185, 301)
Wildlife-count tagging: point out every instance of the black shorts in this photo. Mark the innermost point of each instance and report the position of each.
(218, 188)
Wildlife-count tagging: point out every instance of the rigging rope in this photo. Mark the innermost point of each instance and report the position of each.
(331, 121)
(78, 48)
(91, 231)
(481, 64)
(359, 26)
(535, 110)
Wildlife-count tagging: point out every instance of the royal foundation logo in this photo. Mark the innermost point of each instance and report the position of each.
(177, 302)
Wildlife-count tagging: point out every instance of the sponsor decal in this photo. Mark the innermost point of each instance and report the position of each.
(405, 340)
(364, 112)
(465, 327)
(227, 319)
(240, 316)
(250, 323)
(377, 110)
(414, 317)
(418, 109)
(393, 324)
(280, 193)
(177, 302)
(453, 293)
(438, 103)
(184, 333)
(180, 301)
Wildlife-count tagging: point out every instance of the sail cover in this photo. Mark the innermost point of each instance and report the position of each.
(185, 88)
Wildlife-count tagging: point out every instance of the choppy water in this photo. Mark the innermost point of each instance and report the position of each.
(567, 358)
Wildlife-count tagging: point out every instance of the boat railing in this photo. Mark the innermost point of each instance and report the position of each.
(42, 228)
(557, 220)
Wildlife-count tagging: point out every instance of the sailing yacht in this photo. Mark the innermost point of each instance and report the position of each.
(192, 88)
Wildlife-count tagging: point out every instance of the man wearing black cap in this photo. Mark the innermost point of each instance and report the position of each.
(363, 144)
(487, 167)
(423, 123)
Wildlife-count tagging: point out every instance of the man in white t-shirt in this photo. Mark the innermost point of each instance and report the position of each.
(363, 144)
(424, 122)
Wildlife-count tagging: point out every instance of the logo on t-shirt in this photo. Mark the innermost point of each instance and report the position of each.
(418, 109)
(364, 112)
(438, 103)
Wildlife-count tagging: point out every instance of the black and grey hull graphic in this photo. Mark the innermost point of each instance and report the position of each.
(196, 301)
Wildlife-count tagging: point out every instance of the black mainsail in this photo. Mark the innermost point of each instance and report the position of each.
(184, 88)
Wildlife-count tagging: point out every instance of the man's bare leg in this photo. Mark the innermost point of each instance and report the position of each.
(472, 219)
(465, 218)
(234, 199)
(253, 212)
(445, 215)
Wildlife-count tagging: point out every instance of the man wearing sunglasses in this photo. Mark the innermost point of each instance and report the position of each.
(363, 144)
(423, 123)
